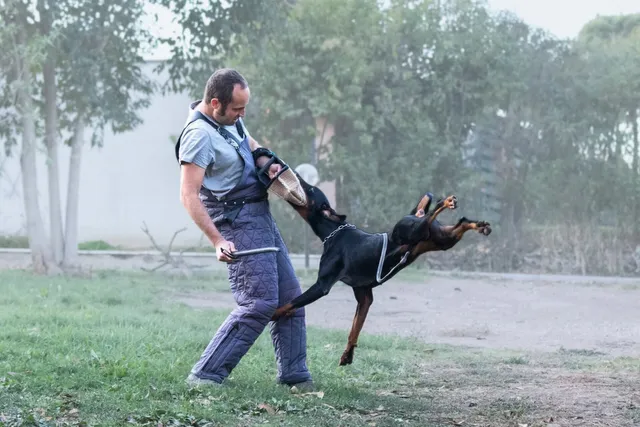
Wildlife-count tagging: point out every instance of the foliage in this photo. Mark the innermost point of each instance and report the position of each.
(442, 96)
(100, 65)
(211, 32)
(448, 97)
(97, 51)
(71, 64)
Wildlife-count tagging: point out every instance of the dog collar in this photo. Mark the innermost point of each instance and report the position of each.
(334, 232)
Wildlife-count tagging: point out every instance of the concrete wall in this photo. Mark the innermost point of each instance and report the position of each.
(133, 178)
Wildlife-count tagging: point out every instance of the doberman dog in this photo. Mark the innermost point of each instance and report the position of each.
(363, 260)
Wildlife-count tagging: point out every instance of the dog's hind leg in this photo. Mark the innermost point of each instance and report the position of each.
(465, 225)
(364, 296)
(423, 205)
(450, 202)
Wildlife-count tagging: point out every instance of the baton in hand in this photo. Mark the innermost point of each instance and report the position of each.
(238, 254)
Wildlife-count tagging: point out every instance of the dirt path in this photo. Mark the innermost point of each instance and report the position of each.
(593, 320)
(539, 313)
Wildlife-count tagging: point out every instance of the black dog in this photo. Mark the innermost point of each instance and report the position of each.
(363, 260)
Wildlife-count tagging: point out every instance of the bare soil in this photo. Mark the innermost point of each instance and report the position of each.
(536, 313)
(573, 339)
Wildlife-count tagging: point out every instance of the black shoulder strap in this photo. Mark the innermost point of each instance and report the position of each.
(223, 132)
(177, 146)
(240, 128)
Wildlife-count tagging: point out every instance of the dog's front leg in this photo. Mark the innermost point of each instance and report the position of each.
(327, 277)
(318, 290)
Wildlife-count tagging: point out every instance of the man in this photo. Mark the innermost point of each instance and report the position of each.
(220, 190)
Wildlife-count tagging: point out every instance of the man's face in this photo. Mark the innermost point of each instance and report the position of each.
(229, 114)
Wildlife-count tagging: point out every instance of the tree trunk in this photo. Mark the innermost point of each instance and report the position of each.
(636, 172)
(324, 133)
(73, 195)
(511, 192)
(53, 167)
(40, 251)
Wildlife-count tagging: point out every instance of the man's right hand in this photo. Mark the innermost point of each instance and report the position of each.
(228, 247)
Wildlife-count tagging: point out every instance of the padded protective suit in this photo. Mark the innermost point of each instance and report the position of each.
(260, 283)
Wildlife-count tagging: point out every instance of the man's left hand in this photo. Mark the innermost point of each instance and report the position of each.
(274, 170)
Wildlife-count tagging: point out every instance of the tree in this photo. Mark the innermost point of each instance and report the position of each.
(610, 49)
(25, 53)
(397, 98)
(399, 120)
(212, 33)
(317, 77)
(101, 84)
(82, 59)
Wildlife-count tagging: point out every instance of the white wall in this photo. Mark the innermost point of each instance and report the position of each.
(133, 178)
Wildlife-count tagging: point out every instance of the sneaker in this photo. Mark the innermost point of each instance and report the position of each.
(195, 381)
(303, 387)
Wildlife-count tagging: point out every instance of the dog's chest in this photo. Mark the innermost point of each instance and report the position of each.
(361, 260)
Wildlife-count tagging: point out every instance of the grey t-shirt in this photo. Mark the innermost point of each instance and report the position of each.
(202, 145)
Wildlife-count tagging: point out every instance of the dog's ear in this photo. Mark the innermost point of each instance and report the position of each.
(337, 216)
(333, 216)
(329, 213)
(341, 217)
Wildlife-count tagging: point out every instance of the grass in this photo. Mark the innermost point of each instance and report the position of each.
(14, 242)
(114, 350)
(22, 242)
(96, 245)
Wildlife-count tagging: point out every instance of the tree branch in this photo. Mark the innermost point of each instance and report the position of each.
(176, 262)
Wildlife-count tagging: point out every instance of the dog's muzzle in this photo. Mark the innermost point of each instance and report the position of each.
(286, 186)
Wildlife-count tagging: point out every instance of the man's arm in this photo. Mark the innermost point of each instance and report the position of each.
(260, 161)
(191, 176)
(253, 144)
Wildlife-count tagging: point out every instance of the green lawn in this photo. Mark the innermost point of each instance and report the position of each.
(114, 350)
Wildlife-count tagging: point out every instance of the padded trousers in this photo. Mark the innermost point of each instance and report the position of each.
(260, 283)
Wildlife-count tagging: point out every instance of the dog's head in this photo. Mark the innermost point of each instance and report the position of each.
(318, 205)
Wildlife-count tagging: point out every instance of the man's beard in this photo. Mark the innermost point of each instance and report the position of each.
(224, 119)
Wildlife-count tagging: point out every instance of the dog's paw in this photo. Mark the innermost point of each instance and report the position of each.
(284, 311)
(484, 228)
(451, 202)
(276, 317)
(347, 357)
